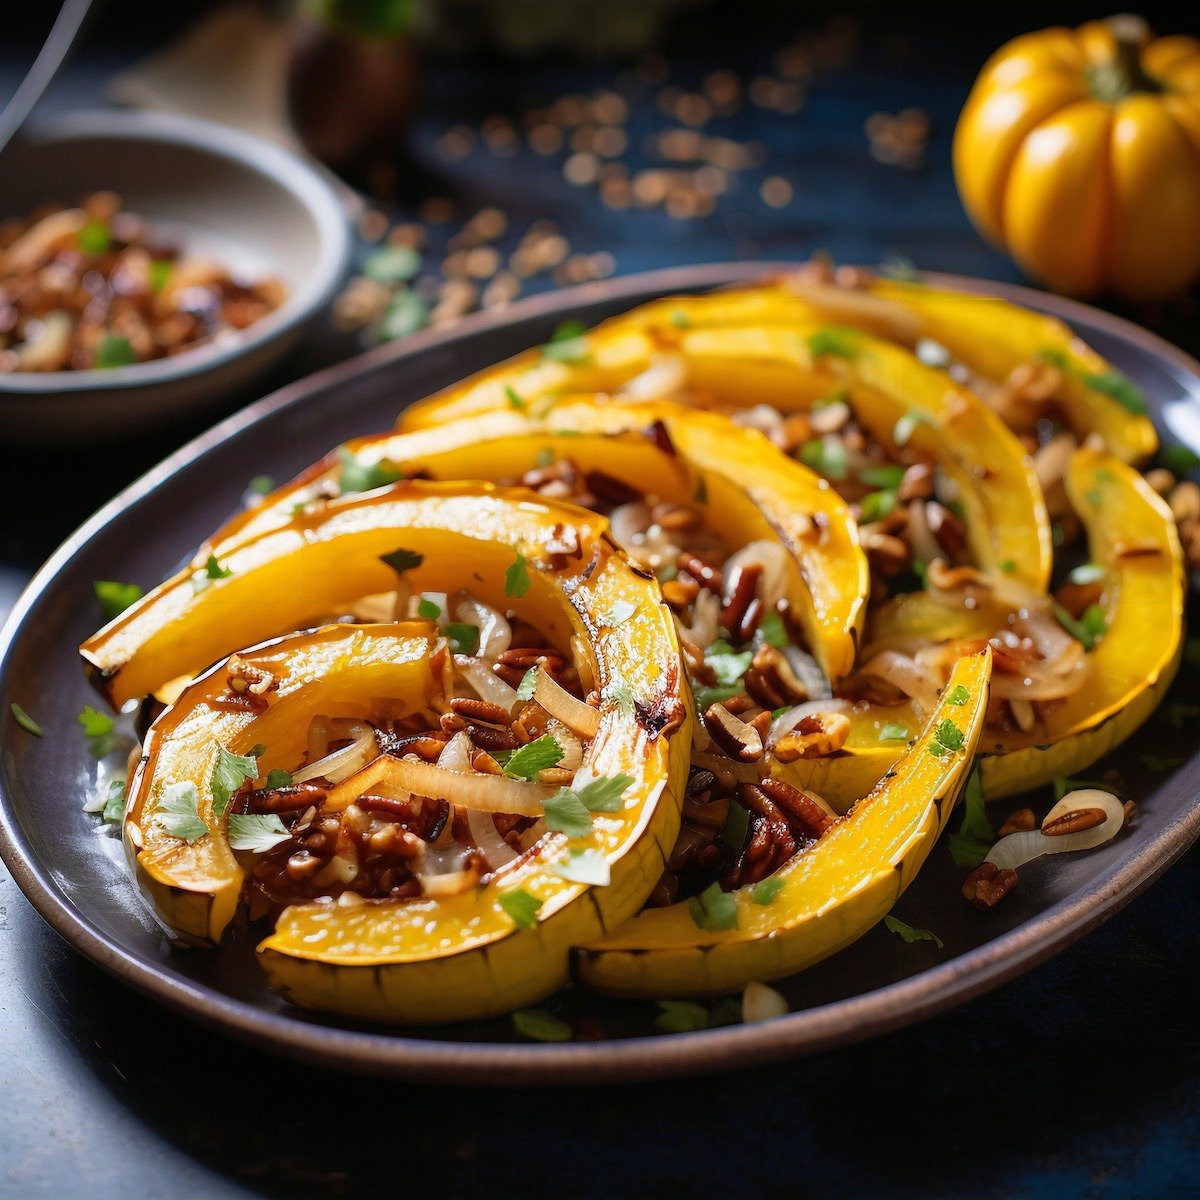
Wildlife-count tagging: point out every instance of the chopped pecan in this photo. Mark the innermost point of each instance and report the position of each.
(249, 677)
(1020, 821)
(947, 529)
(799, 806)
(733, 735)
(1075, 821)
(987, 885)
(813, 736)
(771, 681)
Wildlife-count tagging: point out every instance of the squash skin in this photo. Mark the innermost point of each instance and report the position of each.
(1130, 669)
(832, 893)
(339, 670)
(748, 488)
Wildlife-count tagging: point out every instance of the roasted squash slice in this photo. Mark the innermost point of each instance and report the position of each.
(747, 488)
(193, 882)
(460, 956)
(792, 368)
(1132, 535)
(832, 893)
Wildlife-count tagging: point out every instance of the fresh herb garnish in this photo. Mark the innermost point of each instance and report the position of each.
(1111, 383)
(728, 664)
(909, 934)
(894, 732)
(714, 909)
(113, 351)
(427, 610)
(214, 570)
(681, 1016)
(958, 696)
(975, 836)
(544, 458)
(876, 505)
(604, 795)
(906, 426)
(159, 273)
(392, 264)
(98, 729)
(277, 779)
(539, 1026)
(514, 400)
(528, 682)
(259, 832)
(567, 344)
(260, 485)
(706, 697)
(230, 772)
(826, 455)
(533, 757)
(94, 238)
(772, 630)
(1180, 460)
(23, 719)
(114, 802)
(622, 695)
(832, 341)
(116, 597)
(178, 811)
(516, 578)
(1008, 566)
(1090, 627)
(767, 890)
(405, 314)
(463, 638)
(680, 319)
(521, 907)
(584, 866)
(887, 479)
(947, 738)
(565, 813)
(401, 560)
(359, 476)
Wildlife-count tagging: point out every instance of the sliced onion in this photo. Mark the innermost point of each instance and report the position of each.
(487, 684)
(808, 671)
(905, 673)
(1044, 681)
(495, 633)
(457, 754)
(706, 617)
(786, 722)
(762, 1003)
(579, 718)
(629, 521)
(343, 763)
(1043, 629)
(570, 745)
(446, 872)
(399, 778)
(662, 379)
(776, 564)
(49, 348)
(925, 546)
(1019, 848)
(487, 837)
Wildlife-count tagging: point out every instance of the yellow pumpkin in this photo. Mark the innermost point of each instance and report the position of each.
(1079, 152)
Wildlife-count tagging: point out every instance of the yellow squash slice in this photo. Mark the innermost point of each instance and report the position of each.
(832, 893)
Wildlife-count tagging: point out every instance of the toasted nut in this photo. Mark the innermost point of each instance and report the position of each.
(916, 483)
(1185, 502)
(771, 680)
(1130, 810)
(1161, 480)
(1075, 822)
(799, 806)
(813, 737)
(887, 554)
(733, 735)
(480, 710)
(949, 531)
(249, 677)
(1020, 821)
(987, 885)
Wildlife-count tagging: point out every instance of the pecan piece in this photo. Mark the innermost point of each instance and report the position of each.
(1075, 821)
(987, 885)
(733, 735)
(814, 736)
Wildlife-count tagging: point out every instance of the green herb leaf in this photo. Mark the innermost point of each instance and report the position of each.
(826, 455)
(260, 485)
(680, 319)
(1090, 627)
(230, 772)
(565, 813)
(767, 890)
(23, 719)
(113, 351)
(178, 811)
(947, 738)
(604, 795)
(116, 597)
(405, 315)
(832, 341)
(160, 273)
(894, 732)
(214, 570)
(545, 457)
(958, 696)
(975, 836)
(278, 779)
(772, 630)
(708, 696)
(681, 1016)
(94, 238)
(392, 264)
(1008, 566)
(463, 638)
(527, 684)
(516, 578)
(533, 757)
(114, 802)
(727, 664)
(584, 866)
(909, 934)
(1087, 573)
(98, 729)
(735, 829)
(876, 505)
(568, 344)
(1120, 387)
(359, 476)
(714, 909)
(401, 560)
(521, 907)
(887, 479)
(427, 610)
(514, 400)
(1180, 460)
(539, 1026)
(258, 832)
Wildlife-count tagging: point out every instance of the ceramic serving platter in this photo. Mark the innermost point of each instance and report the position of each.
(74, 875)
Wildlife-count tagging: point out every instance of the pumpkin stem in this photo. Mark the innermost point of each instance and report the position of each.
(1123, 74)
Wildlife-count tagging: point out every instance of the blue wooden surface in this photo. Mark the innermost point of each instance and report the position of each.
(1081, 1079)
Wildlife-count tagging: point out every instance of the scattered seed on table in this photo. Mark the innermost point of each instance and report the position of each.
(776, 192)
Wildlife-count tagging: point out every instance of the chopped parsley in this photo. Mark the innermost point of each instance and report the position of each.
(116, 597)
(622, 695)
(392, 264)
(885, 478)
(567, 344)
(98, 729)
(545, 457)
(230, 772)
(728, 664)
(516, 578)
(534, 757)
(258, 832)
(876, 505)
(947, 738)
(714, 909)
(463, 638)
(214, 570)
(113, 351)
(958, 696)
(680, 319)
(114, 802)
(521, 907)
(401, 560)
(360, 476)
(1090, 627)
(604, 795)
(160, 273)
(826, 455)
(566, 814)
(975, 836)
(584, 866)
(767, 890)
(427, 610)
(527, 684)
(681, 1016)
(514, 400)
(23, 719)
(539, 1026)
(405, 314)
(772, 629)
(894, 732)
(832, 341)
(260, 485)
(178, 811)
(1008, 566)
(706, 697)
(1111, 383)
(909, 934)
(94, 238)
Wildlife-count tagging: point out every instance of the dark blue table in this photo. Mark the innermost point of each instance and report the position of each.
(1081, 1079)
